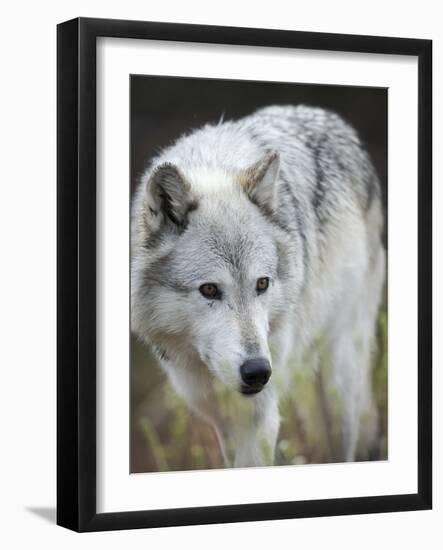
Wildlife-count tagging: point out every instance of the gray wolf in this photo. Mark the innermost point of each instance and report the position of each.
(250, 240)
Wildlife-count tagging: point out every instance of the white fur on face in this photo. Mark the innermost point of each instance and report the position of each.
(228, 247)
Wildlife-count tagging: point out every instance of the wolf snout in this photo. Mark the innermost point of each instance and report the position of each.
(255, 373)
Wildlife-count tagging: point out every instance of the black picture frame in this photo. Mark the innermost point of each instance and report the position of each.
(76, 273)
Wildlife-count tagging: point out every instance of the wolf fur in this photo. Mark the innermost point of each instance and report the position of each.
(287, 193)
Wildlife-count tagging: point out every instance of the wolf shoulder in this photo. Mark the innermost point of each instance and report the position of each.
(319, 144)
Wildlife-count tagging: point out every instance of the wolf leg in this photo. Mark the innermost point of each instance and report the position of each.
(248, 435)
(255, 436)
(350, 342)
(197, 391)
(350, 365)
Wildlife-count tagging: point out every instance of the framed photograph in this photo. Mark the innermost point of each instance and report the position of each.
(244, 274)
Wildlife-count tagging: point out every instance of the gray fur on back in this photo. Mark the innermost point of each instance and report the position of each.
(323, 164)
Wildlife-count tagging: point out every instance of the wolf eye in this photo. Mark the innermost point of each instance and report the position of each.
(262, 285)
(210, 291)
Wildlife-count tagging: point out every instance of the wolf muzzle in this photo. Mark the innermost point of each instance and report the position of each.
(255, 374)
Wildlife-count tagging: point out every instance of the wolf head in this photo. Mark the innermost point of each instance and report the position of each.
(211, 270)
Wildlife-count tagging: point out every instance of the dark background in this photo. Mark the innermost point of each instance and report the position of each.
(164, 435)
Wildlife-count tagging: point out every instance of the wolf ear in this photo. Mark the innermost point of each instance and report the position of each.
(167, 198)
(259, 181)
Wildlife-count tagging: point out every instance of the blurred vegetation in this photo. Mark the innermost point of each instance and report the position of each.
(166, 436)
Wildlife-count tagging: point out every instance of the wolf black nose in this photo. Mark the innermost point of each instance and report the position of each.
(255, 373)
